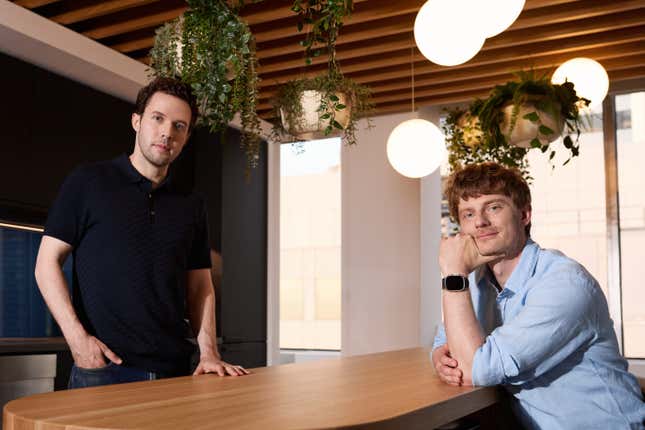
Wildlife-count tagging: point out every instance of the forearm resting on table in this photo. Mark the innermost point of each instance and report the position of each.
(200, 298)
(463, 331)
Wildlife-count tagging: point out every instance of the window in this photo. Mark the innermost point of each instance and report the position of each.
(23, 311)
(569, 201)
(310, 245)
(630, 141)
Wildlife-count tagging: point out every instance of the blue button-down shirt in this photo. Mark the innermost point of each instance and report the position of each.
(551, 343)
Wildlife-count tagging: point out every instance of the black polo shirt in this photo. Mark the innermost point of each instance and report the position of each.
(132, 247)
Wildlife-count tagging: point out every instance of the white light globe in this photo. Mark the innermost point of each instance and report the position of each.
(447, 32)
(415, 148)
(589, 78)
(495, 16)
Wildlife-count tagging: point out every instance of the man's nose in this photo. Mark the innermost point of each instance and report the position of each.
(481, 220)
(166, 131)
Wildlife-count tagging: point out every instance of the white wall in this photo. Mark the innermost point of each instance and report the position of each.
(381, 246)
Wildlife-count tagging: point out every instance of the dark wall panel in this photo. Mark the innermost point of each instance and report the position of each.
(55, 124)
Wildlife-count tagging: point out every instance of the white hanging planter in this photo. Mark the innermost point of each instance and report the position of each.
(525, 130)
(310, 125)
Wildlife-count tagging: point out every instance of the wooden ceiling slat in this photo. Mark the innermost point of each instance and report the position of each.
(572, 11)
(134, 24)
(258, 13)
(487, 83)
(467, 96)
(511, 38)
(134, 45)
(525, 51)
(100, 9)
(423, 78)
(32, 4)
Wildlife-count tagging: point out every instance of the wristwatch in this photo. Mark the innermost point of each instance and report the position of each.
(454, 283)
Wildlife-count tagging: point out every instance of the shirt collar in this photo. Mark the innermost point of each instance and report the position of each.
(133, 175)
(522, 272)
(525, 267)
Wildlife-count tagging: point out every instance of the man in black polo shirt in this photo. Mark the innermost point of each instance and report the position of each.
(141, 256)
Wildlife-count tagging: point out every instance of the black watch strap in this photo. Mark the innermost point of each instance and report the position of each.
(454, 283)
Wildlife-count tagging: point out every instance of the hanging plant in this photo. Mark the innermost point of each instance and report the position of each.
(212, 49)
(517, 116)
(328, 104)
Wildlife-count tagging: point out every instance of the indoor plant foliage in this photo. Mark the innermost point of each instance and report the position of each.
(212, 49)
(484, 132)
(340, 101)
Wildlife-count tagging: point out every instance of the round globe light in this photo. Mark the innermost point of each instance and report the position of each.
(495, 16)
(437, 19)
(589, 78)
(415, 148)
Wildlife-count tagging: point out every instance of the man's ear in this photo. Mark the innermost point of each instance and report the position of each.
(136, 121)
(526, 215)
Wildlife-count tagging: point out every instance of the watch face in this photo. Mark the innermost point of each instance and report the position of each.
(455, 283)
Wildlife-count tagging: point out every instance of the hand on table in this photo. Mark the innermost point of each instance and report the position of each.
(446, 366)
(211, 364)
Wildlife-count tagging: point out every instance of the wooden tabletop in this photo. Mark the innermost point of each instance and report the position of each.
(397, 389)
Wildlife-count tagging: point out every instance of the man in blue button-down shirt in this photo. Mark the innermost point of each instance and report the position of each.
(528, 318)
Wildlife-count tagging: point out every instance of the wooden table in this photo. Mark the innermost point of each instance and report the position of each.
(397, 389)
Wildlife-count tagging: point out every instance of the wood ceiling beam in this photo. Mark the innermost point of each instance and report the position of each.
(508, 39)
(578, 16)
(32, 4)
(610, 57)
(154, 20)
(487, 83)
(572, 11)
(467, 96)
(96, 10)
(524, 51)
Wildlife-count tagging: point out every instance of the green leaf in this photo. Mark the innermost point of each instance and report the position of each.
(568, 143)
(337, 125)
(551, 155)
(340, 106)
(333, 97)
(535, 143)
(300, 25)
(325, 116)
(328, 130)
(545, 130)
(532, 116)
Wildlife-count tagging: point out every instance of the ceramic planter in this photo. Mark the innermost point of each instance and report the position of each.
(525, 130)
(310, 125)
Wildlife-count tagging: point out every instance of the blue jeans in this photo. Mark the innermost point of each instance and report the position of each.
(110, 374)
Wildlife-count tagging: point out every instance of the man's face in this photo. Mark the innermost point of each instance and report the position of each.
(162, 129)
(495, 223)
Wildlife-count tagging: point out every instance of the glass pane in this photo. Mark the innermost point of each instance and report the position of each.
(310, 245)
(630, 124)
(569, 201)
(23, 312)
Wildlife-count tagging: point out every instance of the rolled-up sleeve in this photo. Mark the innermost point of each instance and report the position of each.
(440, 337)
(554, 323)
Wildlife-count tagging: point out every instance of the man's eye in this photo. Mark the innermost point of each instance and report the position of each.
(156, 117)
(180, 127)
(467, 215)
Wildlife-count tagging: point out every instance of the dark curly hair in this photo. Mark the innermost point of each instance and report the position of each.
(171, 87)
(475, 180)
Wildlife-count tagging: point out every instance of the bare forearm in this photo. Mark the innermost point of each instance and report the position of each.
(462, 330)
(201, 311)
(54, 289)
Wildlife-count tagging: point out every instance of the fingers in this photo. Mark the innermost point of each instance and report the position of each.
(199, 370)
(448, 361)
(450, 375)
(108, 353)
